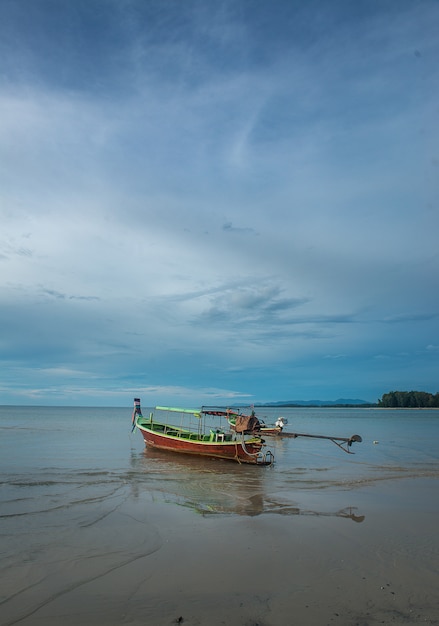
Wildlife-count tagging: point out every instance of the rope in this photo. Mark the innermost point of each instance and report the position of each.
(245, 449)
(236, 453)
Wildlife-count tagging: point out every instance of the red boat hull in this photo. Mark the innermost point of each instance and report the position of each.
(250, 452)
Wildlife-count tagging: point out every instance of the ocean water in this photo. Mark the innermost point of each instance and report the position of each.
(82, 501)
(61, 457)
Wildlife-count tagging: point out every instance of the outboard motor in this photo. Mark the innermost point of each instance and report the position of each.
(281, 422)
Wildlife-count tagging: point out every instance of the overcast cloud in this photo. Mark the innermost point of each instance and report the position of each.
(222, 202)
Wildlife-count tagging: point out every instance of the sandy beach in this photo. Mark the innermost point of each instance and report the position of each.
(154, 562)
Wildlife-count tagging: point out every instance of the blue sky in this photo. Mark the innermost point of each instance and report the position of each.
(218, 202)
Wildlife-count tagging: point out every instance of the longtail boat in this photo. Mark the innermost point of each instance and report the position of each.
(187, 431)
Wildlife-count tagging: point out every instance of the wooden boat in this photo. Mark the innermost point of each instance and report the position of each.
(186, 431)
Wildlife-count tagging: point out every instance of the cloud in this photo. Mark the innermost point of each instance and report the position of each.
(411, 317)
(229, 228)
(193, 196)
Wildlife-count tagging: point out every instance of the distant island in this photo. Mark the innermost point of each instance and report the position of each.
(409, 400)
(390, 400)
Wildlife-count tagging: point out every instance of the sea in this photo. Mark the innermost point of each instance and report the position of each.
(63, 456)
(75, 482)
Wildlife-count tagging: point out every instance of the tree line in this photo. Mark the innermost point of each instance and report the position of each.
(409, 400)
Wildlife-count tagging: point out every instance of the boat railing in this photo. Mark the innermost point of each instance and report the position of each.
(181, 433)
(215, 436)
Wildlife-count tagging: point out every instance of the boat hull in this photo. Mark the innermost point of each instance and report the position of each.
(249, 452)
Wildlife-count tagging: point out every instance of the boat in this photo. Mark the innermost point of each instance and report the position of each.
(193, 431)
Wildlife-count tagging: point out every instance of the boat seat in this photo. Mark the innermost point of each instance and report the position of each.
(216, 435)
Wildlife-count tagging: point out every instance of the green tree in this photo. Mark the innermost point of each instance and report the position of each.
(409, 399)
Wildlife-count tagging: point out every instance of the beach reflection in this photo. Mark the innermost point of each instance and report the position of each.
(210, 486)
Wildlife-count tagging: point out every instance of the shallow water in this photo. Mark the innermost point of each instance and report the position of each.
(86, 510)
(52, 458)
(57, 457)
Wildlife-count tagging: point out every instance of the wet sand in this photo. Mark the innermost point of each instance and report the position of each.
(355, 557)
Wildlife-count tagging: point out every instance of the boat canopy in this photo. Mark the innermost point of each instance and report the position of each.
(195, 412)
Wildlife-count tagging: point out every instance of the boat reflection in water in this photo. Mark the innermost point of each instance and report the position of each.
(217, 487)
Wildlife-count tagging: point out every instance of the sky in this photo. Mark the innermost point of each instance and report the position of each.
(218, 201)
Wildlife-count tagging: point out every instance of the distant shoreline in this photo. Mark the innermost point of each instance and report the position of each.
(346, 406)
